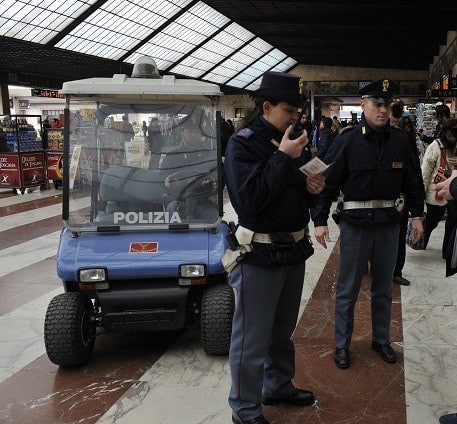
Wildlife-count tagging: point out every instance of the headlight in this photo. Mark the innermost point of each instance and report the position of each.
(191, 270)
(92, 275)
(93, 279)
(192, 275)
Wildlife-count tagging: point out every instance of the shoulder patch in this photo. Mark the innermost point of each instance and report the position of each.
(245, 133)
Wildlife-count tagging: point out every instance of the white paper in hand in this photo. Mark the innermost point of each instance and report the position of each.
(314, 166)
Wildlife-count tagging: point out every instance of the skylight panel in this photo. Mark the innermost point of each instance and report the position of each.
(38, 21)
(247, 77)
(237, 62)
(119, 25)
(190, 43)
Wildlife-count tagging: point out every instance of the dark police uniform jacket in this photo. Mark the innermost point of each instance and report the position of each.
(370, 165)
(265, 186)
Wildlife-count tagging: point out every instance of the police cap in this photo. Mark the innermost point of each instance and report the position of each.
(280, 86)
(380, 91)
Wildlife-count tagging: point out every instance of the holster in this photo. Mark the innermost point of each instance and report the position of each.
(239, 247)
(232, 258)
(337, 212)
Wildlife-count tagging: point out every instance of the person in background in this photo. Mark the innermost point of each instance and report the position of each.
(46, 123)
(396, 112)
(407, 126)
(4, 147)
(372, 167)
(316, 133)
(126, 129)
(144, 128)
(155, 138)
(438, 155)
(271, 197)
(336, 124)
(403, 122)
(326, 136)
(227, 130)
(44, 135)
(305, 124)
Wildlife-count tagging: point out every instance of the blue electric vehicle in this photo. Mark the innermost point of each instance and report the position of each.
(144, 231)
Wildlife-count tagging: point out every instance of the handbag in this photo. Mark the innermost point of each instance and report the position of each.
(420, 244)
(443, 172)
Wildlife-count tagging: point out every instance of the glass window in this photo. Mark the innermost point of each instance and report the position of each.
(185, 42)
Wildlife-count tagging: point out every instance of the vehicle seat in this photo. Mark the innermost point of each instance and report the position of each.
(127, 189)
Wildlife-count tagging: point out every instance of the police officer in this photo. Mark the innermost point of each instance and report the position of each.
(372, 167)
(271, 197)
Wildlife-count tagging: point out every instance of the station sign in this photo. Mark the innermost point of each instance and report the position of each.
(54, 94)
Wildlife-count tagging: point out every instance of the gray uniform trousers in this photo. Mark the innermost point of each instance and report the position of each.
(358, 245)
(262, 355)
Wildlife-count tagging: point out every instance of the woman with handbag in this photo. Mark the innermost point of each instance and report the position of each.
(435, 168)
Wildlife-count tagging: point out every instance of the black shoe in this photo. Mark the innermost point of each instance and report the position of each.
(402, 281)
(341, 358)
(448, 419)
(386, 352)
(301, 398)
(257, 420)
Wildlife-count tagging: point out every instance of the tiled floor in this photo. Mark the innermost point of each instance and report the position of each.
(168, 379)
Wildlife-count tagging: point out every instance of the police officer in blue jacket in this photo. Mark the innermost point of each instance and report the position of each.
(372, 166)
(271, 197)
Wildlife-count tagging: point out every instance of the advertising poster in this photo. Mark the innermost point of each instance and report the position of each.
(33, 169)
(10, 176)
(54, 164)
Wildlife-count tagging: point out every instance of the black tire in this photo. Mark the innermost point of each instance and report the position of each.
(69, 329)
(216, 319)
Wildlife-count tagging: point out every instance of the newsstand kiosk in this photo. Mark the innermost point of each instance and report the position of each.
(25, 165)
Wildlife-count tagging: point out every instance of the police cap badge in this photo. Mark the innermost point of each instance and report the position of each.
(380, 91)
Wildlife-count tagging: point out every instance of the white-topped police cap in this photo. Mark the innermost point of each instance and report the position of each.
(380, 91)
(280, 86)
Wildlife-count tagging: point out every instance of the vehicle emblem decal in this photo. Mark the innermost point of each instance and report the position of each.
(144, 247)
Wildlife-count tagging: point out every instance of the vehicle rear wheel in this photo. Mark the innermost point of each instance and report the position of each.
(69, 329)
(216, 319)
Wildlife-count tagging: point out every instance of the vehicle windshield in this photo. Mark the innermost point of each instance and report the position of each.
(134, 166)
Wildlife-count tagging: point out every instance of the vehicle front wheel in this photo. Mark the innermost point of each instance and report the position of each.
(69, 329)
(216, 319)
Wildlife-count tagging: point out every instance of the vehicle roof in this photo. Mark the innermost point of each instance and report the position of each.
(123, 85)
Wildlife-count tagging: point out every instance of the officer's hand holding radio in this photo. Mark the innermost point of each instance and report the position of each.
(293, 148)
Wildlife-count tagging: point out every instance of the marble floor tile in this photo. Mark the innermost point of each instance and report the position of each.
(158, 379)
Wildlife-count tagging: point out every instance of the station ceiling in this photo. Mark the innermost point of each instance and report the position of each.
(229, 42)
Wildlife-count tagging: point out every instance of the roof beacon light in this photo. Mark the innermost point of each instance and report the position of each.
(145, 67)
